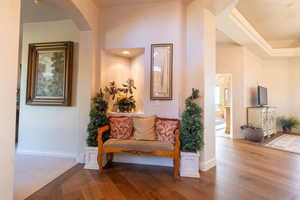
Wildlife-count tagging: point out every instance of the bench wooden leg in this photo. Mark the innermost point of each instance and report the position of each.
(100, 161)
(176, 162)
(109, 157)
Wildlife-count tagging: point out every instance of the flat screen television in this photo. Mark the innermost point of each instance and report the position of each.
(262, 96)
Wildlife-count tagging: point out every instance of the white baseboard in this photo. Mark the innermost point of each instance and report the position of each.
(45, 153)
(205, 166)
(143, 160)
(80, 158)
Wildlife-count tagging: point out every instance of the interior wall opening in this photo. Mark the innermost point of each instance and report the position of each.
(223, 102)
(49, 137)
(121, 65)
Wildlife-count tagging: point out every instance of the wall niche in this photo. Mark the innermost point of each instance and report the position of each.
(119, 65)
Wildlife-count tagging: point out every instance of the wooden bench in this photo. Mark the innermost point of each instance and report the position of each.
(138, 147)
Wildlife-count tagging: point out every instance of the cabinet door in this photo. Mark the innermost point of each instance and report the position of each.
(265, 122)
(257, 117)
(254, 118)
(272, 120)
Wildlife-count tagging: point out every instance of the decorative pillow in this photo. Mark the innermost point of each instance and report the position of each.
(144, 128)
(120, 127)
(165, 129)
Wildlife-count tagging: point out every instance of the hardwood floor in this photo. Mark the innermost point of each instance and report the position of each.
(244, 171)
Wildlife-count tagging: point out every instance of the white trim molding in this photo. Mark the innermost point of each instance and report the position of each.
(44, 153)
(207, 165)
(236, 27)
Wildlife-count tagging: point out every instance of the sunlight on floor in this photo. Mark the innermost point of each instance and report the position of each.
(34, 172)
(221, 127)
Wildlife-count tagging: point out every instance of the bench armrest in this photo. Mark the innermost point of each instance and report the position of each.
(101, 131)
(177, 140)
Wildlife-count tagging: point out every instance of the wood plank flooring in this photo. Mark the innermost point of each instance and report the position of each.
(244, 171)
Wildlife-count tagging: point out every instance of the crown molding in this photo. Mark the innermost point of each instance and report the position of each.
(235, 26)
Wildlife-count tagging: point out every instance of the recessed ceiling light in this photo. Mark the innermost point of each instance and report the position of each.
(291, 4)
(125, 52)
(38, 1)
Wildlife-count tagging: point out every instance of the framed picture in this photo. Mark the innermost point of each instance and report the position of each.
(161, 71)
(49, 78)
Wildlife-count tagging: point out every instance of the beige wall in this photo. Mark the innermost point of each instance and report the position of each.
(120, 69)
(9, 26)
(9, 37)
(191, 29)
(140, 29)
(39, 133)
(200, 72)
(275, 75)
(278, 75)
(252, 77)
(88, 12)
(114, 68)
(234, 66)
(138, 75)
(294, 98)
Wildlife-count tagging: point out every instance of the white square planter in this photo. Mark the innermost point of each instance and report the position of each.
(91, 158)
(189, 165)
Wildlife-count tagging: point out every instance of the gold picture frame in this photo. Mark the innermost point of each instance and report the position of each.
(161, 86)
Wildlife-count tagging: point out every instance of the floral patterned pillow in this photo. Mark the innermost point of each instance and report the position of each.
(165, 130)
(121, 127)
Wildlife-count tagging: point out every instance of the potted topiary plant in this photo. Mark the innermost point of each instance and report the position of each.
(125, 100)
(98, 118)
(288, 123)
(191, 136)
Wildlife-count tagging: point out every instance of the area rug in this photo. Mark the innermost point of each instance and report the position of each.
(286, 142)
(34, 172)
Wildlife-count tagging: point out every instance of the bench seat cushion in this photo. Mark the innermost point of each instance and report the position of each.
(139, 145)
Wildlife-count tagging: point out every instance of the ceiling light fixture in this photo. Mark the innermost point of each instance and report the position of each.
(125, 52)
(38, 1)
(291, 4)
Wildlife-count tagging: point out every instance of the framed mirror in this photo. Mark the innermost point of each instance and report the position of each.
(161, 71)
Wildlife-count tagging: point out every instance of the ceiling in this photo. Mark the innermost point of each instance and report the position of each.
(273, 19)
(110, 3)
(44, 11)
(224, 39)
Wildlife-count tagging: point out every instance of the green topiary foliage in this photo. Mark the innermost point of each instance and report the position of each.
(98, 118)
(192, 128)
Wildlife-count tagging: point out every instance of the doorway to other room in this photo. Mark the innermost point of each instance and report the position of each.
(223, 94)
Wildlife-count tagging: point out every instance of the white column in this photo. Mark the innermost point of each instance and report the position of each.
(9, 60)
(201, 72)
(85, 85)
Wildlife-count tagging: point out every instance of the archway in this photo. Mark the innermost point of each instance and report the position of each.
(86, 16)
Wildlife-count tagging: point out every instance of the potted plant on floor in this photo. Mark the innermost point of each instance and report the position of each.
(191, 136)
(288, 123)
(98, 118)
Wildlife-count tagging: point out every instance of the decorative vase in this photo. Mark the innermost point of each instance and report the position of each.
(253, 134)
(190, 164)
(286, 129)
(125, 108)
